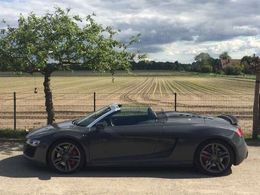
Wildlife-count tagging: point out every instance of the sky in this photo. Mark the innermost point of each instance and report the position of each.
(170, 29)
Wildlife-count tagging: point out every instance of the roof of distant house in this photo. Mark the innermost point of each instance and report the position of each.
(225, 62)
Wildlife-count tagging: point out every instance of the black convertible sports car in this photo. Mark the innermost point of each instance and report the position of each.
(125, 136)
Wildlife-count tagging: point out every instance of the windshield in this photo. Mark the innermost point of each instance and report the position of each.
(92, 117)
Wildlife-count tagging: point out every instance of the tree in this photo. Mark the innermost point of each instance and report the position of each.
(57, 41)
(233, 69)
(245, 62)
(216, 65)
(254, 64)
(204, 62)
(224, 59)
(202, 57)
(224, 56)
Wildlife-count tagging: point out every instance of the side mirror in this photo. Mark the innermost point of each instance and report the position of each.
(100, 126)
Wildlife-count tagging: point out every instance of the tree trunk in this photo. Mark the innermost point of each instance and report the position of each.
(113, 78)
(48, 99)
(256, 110)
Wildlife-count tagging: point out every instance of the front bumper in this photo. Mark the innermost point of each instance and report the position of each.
(37, 154)
(29, 151)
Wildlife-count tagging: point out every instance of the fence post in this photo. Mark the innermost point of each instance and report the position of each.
(14, 110)
(94, 102)
(175, 102)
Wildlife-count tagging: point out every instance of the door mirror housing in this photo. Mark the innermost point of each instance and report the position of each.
(100, 125)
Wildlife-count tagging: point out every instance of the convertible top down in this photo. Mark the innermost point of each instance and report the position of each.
(117, 135)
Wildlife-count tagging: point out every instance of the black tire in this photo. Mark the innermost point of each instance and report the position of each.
(214, 158)
(66, 156)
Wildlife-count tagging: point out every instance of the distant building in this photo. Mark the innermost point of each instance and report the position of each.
(225, 62)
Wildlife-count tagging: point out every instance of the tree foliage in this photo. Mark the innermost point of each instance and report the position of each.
(152, 65)
(224, 56)
(203, 63)
(58, 41)
(234, 69)
(249, 63)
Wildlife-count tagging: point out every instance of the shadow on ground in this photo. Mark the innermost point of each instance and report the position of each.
(19, 167)
(253, 142)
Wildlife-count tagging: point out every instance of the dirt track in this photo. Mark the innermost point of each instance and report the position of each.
(18, 176)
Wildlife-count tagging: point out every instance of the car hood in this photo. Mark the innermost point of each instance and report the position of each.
(66, 125)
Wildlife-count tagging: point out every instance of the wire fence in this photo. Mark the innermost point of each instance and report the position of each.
(26, 111)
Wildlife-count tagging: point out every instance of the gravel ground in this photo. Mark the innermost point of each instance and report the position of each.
(19, 176)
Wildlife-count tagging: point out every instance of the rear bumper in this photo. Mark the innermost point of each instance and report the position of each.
(241, 152)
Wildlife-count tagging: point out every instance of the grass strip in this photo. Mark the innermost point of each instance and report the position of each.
(10, 134)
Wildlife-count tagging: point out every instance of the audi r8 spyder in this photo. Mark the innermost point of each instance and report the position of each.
(118, 135)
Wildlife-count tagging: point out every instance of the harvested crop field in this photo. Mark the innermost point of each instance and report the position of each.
(74, 96)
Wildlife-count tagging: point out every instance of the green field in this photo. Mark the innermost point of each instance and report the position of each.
(73, 95)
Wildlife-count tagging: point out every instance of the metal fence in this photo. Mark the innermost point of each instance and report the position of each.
(26, 111)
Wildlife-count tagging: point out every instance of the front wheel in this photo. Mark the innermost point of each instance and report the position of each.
(214, 158)
(66, 157)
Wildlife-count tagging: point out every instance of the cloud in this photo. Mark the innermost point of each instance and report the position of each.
(237, 47)
(151, 49)
(196, 25)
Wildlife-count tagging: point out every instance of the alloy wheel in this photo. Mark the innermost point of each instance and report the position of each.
(215, 158)
(66, 157)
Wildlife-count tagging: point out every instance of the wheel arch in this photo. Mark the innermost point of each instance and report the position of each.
(221, 139)
(66, 138)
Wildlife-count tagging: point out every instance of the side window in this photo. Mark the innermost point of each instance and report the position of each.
(128, 118)
(118, 119)
(106, 121)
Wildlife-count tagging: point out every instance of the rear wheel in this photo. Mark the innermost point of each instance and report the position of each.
(214, 158)
(66, 156)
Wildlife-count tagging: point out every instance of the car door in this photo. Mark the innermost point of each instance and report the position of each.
(176, 142)
(124, 143)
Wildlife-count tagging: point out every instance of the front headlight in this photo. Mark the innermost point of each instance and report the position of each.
(33, 142)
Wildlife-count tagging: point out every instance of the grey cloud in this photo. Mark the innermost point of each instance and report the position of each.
(150, 49)
(160, 22)
(218, 31)
(155, 31)
(207, 20)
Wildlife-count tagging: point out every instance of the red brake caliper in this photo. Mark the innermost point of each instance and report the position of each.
(74, 152)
